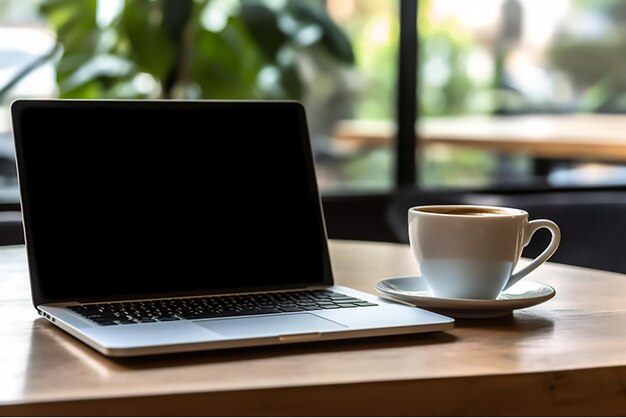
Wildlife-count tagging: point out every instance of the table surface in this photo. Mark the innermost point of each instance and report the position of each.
(566, 356)
(579, 136)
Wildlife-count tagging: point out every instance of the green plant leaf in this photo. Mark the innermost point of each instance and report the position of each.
(333, 39)
(166, 39)
(91, 90)
(262, 23)
(74, 22)
(150, 44)
(226, 63)
(107, 66)
(291, 82)
(78, 32)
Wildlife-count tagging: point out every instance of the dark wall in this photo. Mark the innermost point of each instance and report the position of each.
(592, 221)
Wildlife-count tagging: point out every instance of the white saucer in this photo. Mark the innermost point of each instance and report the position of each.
(413, 289)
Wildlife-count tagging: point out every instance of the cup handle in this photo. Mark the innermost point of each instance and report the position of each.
(534, 226)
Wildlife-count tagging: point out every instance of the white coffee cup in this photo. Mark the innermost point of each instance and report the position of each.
(470, 252)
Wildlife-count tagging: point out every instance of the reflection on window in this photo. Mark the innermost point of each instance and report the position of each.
(479, 61)
(25, 71)
(512, 59)
(366, 93)
(337, 57)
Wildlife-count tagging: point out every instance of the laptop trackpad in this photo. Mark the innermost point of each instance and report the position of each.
(270, 325)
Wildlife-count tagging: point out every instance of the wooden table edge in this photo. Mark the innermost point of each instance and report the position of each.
(587, 392)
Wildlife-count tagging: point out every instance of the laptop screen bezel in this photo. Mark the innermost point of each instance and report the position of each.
(19, 106)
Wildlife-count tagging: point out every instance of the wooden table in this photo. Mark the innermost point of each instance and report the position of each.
(577, 137)
(564, 357)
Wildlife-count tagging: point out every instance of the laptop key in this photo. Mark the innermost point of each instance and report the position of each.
(205, 315)
(291, 309)
(97, 318)
(365, 304)
(310, 307)
(346, 300)
(259, 311)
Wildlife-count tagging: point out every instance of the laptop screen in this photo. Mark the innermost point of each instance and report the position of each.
(165, 198)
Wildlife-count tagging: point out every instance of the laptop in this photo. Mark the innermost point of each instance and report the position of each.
(158, 226)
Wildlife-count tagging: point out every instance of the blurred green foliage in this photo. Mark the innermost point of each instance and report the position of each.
(445, 86)
(190, 49)
(377, 57)
(596, 64)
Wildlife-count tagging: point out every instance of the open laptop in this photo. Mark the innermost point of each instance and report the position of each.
(169, 226)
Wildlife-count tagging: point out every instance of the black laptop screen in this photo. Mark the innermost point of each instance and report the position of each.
(153, 198)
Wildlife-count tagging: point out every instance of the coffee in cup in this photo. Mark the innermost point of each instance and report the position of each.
(470, 252)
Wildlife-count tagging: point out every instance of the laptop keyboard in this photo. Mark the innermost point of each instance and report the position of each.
(207, 307)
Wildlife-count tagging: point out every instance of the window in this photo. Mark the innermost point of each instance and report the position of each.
(522, 71)
(485, 68)
(365, 96)
(339, 60)
(24, 39)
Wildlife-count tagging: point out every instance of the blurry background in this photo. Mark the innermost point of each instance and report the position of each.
(478, 64)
